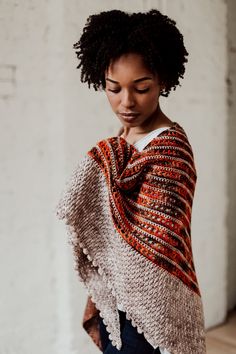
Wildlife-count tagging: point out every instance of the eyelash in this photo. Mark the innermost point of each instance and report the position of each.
(139, 91)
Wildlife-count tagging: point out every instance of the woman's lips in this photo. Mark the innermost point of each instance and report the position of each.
(129, 117)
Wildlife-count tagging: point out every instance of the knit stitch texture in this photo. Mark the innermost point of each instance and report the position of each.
(128, 216)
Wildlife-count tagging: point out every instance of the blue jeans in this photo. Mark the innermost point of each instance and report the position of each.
(132, 341)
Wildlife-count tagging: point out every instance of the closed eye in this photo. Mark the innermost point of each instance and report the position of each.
(116, 91)
(142, 91)
(139, 91)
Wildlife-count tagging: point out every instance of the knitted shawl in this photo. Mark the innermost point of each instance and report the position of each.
(128, 217)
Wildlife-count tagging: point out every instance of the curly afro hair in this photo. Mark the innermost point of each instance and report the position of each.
(109, 34)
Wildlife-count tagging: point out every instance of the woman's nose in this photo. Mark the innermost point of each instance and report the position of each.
(127, 99)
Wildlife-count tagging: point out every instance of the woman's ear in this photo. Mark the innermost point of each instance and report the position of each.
(162, 86)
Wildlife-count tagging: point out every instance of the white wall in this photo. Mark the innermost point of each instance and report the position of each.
(49, 120)
(231, 153)
(34, 303)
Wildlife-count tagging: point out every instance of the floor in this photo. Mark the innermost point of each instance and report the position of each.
(222, 339)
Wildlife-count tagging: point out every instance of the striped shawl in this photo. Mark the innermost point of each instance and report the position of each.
(128, 216)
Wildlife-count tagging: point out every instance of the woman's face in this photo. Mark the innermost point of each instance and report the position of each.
(132, 90)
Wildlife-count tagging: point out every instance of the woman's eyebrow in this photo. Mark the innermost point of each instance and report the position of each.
(137, 80)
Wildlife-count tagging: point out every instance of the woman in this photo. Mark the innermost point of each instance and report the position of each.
(128, 202)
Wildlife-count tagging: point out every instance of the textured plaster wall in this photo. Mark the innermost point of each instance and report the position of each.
(34, 306)
(231, 153)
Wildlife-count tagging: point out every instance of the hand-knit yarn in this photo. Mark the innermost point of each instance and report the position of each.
(128, 215)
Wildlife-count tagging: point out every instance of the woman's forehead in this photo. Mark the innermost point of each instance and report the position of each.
(130, 64)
